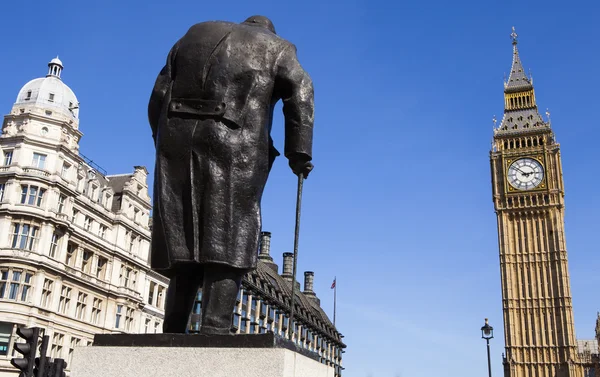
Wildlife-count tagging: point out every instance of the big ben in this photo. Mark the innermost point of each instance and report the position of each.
(528, 195)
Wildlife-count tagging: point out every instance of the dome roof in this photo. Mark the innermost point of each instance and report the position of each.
(50, 92)
(57, 61)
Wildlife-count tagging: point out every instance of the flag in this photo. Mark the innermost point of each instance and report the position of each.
(333, 284)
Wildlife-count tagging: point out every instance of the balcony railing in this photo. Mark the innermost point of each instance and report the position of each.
(36, 171)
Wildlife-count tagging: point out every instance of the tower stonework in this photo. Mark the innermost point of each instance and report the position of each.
(528, 195)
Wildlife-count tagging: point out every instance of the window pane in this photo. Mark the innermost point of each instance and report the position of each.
(14, 288)
(24, 293)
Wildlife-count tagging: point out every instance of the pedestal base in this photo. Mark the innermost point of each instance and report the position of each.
(195, 355)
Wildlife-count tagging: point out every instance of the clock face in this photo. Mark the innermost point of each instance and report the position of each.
(525, 174)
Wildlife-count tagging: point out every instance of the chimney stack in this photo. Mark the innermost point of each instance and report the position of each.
(288, 267)
(309, 278)
(265, 247)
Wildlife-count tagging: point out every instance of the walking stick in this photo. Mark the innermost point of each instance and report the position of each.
(296, 236)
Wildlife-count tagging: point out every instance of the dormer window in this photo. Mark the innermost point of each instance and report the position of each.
(51, 97)
(28, 96)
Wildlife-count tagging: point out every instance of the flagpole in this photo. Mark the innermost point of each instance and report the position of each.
(334, 298)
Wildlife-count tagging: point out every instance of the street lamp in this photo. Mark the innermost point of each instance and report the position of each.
(487, 333)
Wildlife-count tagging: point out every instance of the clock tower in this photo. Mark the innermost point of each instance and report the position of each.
(528, 195)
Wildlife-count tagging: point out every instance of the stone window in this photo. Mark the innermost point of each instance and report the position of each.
(39, 160)
(51, 97)
(66, 167)
(86, 264)
(151, 293)
(102, 231)
(2, 189)
(94, 193)
(87, 223)
(101, 268)
(81, 306)
(129, 240)
(106, 200)
(32, 195)
(15, 284)
(125, 277)
(47, 293)
(57, 345)
(129, 319)
(54, 242)
(8, 155)
(65, 299)
(61, 203)
(160, 300)
(96, 310)
(74, 343)
(24, 236)
(28, 96)
(71, 255)
(118, 316)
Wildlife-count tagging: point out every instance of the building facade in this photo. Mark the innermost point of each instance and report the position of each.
(264, 304)
(74, 241)
(528, 196)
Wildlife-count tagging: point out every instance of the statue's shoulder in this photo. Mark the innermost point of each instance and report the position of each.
(210, 25)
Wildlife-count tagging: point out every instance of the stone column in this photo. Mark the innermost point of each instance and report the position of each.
(61, 251)
(45, 238)
(6, 232)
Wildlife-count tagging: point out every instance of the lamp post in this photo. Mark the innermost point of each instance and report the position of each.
(487, 333)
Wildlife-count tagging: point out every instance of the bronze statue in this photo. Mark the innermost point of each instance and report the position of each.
(211, 112)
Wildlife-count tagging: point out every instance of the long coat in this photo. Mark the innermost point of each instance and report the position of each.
(211, 112)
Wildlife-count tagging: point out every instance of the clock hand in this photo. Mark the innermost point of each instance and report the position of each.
(522, 172)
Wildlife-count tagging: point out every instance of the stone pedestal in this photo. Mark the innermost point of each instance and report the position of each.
(174, 355)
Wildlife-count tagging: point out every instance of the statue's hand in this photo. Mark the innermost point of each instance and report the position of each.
(300, 165)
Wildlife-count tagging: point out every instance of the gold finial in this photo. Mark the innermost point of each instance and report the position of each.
(514, 36)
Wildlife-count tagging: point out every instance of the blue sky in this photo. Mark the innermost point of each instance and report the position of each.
(399, 205)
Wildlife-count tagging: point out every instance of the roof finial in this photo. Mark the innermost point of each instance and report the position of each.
(548, 114)
(514, 36)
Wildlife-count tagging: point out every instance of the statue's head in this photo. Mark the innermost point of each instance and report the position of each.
(261, 21)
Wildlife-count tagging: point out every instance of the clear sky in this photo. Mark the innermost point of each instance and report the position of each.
(399, 205)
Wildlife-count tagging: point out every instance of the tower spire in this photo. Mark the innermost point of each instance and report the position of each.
(520, 109)
(517, 80)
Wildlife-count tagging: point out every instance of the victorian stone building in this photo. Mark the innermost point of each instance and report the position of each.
(264, 303)
(74, 241)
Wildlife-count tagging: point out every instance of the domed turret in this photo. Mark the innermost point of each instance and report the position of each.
(50, 92)
(55, 67)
